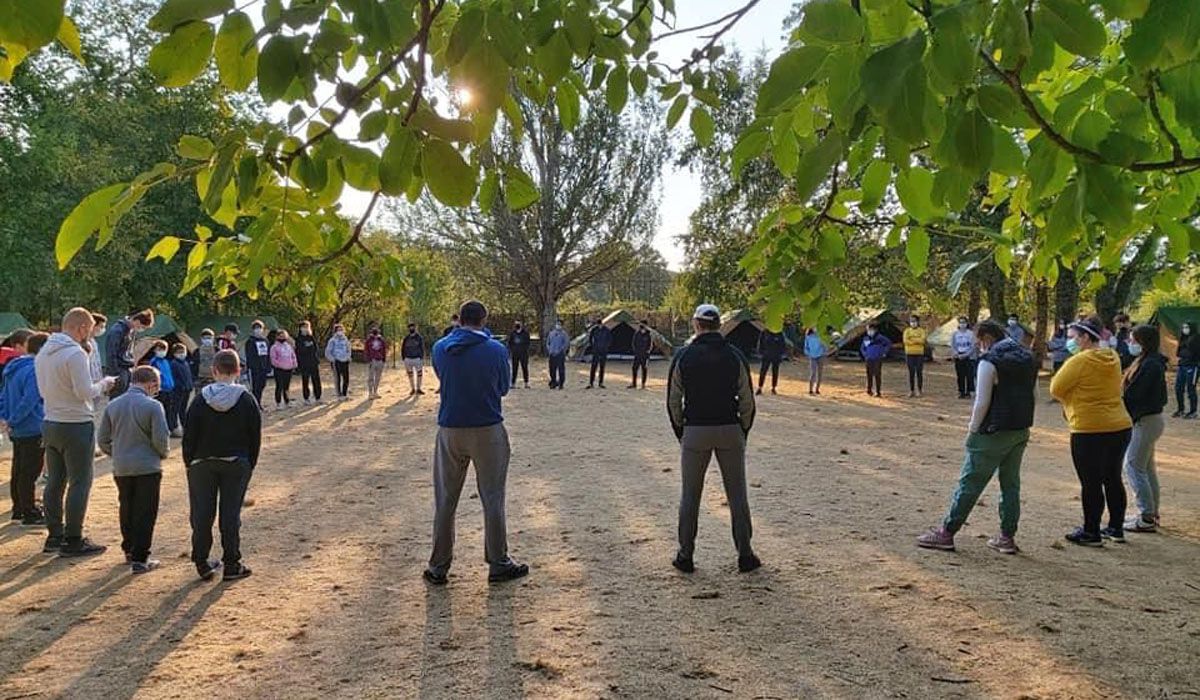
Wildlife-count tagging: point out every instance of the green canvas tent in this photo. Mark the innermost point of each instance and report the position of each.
(848, 346)
(1170, 318)
(623, 325)
(11, 321)
(742, 328)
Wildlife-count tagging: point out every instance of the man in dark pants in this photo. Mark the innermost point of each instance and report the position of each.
(557, 345)
(642, 341)
(308, 362)
(64, 380)
(221, 442)
(772, 347)
(118, 348)
(599, 340)
(258, 359)
(518, 350)
(710, 401)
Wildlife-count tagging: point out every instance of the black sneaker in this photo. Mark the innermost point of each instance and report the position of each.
(208, 569)
(748, 563)
(53, 544)
(81, 547)
(1084, 538)
(684, 564)
(34, 519)
(1190, 416)
(1115, 534)
(511, 571)
(1177, 414)
(435, 578)
(236, 572)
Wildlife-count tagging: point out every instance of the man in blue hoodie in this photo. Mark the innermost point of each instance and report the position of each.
(473, 371)
(21, 413)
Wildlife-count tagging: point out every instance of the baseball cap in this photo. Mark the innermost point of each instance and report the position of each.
(708, 312)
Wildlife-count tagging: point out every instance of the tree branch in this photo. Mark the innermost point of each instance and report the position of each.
(1176, 148)
(730, 21)
(355, 236)
(632, 18)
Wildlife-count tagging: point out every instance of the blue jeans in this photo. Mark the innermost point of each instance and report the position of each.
(1185, 379)
(986, 454)
(1139, 463)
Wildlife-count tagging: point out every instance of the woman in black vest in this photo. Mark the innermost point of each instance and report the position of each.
(1145, 396)
(999, 431)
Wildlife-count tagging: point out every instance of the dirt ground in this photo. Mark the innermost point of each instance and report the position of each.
(845, 607)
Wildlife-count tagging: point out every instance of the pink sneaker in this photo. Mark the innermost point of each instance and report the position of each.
(1003, 543)
(937, 538)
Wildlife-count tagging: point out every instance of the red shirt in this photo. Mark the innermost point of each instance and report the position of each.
(375, 348)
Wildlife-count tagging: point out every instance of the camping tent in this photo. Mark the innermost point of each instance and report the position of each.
(164, 328)
(1169, 319)
(742, 328)
(850, 344)
(11, 321)
(623, 325)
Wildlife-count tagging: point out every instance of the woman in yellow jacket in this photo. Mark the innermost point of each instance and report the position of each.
(914, 356)
(1089, 388)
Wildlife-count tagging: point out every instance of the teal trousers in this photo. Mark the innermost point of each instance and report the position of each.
(987, 454)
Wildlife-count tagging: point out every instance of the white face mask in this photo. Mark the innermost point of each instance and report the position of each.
(100, 330)
(206, 341)
(962, 326)
(181, 356)
(160, 354)
(1135, 349)
(1012, 321)
(1186, 329)
(258, 332)
(870, 334)
(913, 324)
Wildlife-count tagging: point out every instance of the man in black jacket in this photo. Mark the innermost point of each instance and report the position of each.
(710, 401)
(1188, 355)
(642, 342)
(518, 352)
(999, 430)
(258, 359)
(118, 348)
(771, 347)
(412, 354)
(599, 340)
(221, 441)
(308, 361)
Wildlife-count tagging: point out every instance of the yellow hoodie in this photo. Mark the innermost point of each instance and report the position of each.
(1089, 388)
(914, 341)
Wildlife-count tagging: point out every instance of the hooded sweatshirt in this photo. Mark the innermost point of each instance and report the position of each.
(473, 370)
(65, 381)
(20, 402)
(375, 348)
(223, 424)
(134, 433)
(1146, 387)
(964, 344)
(1089, 388)
(877, 347)
(557, 343)
(307, 352)
(814, 347)
(283, 356)
(338, 348)
(166, 375)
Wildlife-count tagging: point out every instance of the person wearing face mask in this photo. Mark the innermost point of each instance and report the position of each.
(1145, 395)
(308, 362)
(1015, 330)
(118, 348)
(158, 359)
(772, 347)
(375, 353)
(95, 364)
(1057, 346)
(1089, 388)
(557, 345)
(875, 348)
(642, 343)
(68, 432)
(133, 431)
(283, 361)
(996, 438)
(258, 359)
(600, 339)
(337, 352)
(412, 352)
(228, 339)
(182, 375)
(1120, 339)
(1188, 355)
(518, 351)
(815, 350)
(914, 356)
(964, 348)
(203, 359)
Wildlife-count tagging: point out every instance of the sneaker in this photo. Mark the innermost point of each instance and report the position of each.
(53, 545)
(81, 547)
(236, 572)
(1190, 416)
(937, 538)
(589, 386)
(437, 579)
(1083, 538)
(208, 569)
(420, 392)
(759, 392)
(34, 518)
(1115, 534)
(17, 516)
(1177, 414)
(1140, 524)
(748, 563)
(683, 563)
(631, 386)
(773, 390)
(142, 567)
(511, 571)
(603, 387)
(912, 394)
(1003, 543)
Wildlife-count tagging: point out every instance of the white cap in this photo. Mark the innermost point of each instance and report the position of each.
(707, 312)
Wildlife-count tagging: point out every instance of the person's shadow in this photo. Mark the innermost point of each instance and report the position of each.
(436, 640)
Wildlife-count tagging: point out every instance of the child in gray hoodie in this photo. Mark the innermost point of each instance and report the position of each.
(133, 431)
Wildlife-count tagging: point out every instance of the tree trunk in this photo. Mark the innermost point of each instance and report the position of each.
(1114, 295)
(548, 315)
(974, 301)
(995, 284)
(1042, 321)
(1066, 294)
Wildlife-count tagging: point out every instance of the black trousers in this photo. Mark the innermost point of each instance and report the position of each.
(773, 364)
(1098, 458)
(558, 371)
(216, 489)
(640, 362)
(168, 399)
(27, 455)
(311, 374)
(521, 361)
(283, 385)
(599, 360)
(258, 382)
(138, 497)
(964, 372)
(916, 372)
(875, 376)
(341, 371)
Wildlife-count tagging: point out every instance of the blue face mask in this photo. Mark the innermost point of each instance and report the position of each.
(1135, 349)
(1073, 346)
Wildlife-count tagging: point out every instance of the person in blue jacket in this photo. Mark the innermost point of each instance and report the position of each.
(875, 348)
(22, 413)
(815, 350)
(184, 384)
(166, 388)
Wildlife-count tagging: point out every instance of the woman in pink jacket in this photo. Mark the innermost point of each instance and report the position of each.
(283, 359)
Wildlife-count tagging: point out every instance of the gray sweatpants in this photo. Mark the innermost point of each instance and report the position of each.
(1139, 463)
(70, 452)
(698, 445)
(374, 375)
(489, 449)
